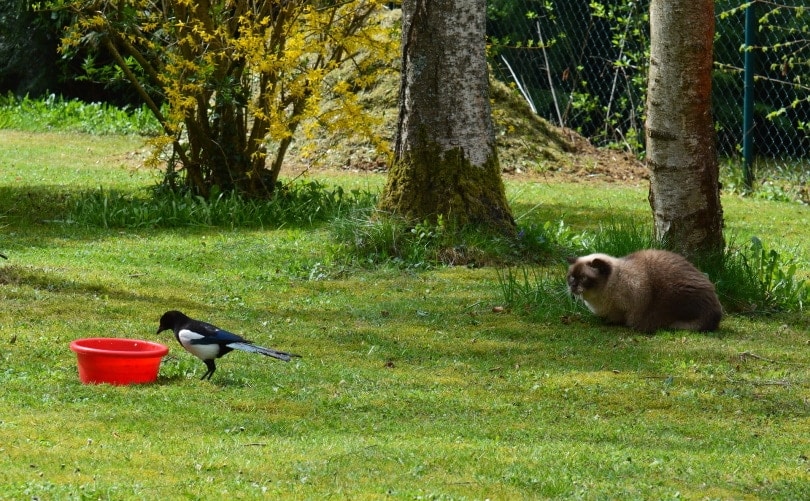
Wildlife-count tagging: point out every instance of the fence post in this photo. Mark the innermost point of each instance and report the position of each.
(748, 98)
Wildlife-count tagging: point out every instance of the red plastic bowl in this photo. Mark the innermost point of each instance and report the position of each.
(118, 361)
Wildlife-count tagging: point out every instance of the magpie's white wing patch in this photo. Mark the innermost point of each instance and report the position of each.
(202, 351)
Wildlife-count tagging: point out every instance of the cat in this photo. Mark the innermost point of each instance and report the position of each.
(646, 291)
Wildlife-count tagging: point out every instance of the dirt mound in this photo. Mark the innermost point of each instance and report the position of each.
(528, 145)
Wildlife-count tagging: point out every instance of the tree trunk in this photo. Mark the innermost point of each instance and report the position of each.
(445, 158)
(684, 188)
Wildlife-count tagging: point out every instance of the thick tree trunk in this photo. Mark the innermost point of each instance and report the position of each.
(445, 158)
(684, 188)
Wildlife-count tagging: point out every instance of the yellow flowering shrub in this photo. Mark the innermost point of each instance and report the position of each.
(233, 81)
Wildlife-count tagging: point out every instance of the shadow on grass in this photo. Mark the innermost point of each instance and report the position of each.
(42, 280)
(23, 205)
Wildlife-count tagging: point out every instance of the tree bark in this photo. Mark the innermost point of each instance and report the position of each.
(445, 161)
(684, 188)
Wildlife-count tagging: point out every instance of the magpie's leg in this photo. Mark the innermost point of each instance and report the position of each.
(211, 368)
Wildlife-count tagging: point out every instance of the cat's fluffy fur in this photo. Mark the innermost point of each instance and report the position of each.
(647, 290)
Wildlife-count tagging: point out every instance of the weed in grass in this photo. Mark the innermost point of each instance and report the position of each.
(755, 279)
(776, 275)
(616, 236)
(546, 242)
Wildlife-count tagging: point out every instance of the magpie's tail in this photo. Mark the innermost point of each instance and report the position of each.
(252, 348)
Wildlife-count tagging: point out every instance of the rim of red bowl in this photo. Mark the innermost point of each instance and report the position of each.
(155, 349)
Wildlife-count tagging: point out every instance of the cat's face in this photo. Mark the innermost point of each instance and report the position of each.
(587, 274)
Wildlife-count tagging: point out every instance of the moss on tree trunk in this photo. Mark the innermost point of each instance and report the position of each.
(430, 182)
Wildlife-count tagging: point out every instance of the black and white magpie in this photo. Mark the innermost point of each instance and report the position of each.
(207, 342)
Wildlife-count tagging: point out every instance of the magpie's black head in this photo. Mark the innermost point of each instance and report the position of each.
(170, 319)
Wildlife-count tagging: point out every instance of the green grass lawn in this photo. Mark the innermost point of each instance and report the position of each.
(410, 385)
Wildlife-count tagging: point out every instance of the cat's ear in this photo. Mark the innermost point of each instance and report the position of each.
(602, 266)
(571, 259)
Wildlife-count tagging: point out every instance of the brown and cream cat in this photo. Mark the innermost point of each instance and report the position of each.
(647, 290)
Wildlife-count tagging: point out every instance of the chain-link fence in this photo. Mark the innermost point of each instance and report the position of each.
(583, 64)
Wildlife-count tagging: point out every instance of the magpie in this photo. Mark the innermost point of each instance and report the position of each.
(207, 342)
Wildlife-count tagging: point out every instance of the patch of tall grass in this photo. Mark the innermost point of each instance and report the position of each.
(296, 204)
(539, 293)
(54, 113)
(370, 237)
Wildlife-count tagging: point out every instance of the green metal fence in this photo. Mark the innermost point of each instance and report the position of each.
(583, 64)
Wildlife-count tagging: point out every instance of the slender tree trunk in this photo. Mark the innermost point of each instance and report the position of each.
(445, 159)
(684, 188)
